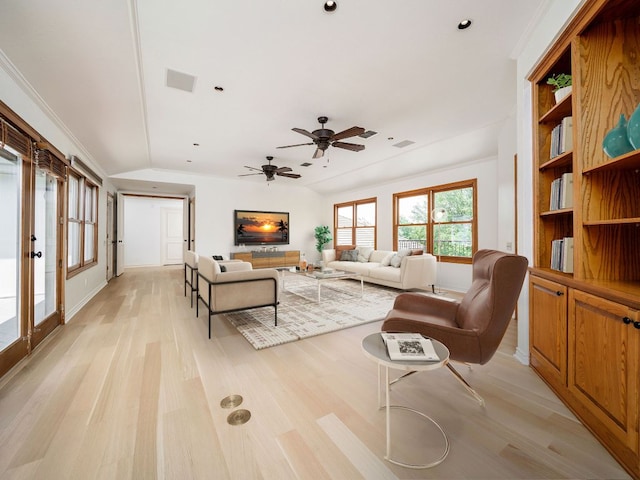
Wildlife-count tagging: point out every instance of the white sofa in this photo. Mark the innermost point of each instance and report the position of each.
(393, 269)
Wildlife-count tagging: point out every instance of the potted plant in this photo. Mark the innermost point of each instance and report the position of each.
(323, 236)
(561, 85)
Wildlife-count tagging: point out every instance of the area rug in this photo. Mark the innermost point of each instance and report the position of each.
(301, 316)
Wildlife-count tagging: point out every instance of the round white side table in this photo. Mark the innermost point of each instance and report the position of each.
(374, 348)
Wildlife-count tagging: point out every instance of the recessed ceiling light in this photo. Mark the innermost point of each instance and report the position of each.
(330, 6)
(218, 88)
(196, 144)
(466, 23)
(188, 161)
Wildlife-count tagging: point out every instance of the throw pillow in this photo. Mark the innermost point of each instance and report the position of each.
(349, 256)
(386, 261)
(365, 253)
(396, 260)
(417, 252)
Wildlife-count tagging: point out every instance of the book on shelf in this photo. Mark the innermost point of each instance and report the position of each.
(562, 254)
(409, 346)
(562, 137)
(566, 190)
(561, 192)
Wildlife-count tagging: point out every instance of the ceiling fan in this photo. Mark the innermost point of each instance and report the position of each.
(271, 170)
(324, 138)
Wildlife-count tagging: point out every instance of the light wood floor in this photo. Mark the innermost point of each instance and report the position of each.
(131, 388)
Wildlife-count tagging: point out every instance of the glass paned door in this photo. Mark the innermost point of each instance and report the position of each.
(44, 245)
(10, 182)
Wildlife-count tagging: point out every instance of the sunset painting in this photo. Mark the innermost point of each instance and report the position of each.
(257, 228)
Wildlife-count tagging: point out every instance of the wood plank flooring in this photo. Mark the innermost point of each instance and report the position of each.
(131, 388)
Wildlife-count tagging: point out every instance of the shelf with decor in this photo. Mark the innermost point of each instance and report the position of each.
(597, 307)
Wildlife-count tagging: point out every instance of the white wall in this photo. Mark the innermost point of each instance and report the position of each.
(450, 276)
(143, 229)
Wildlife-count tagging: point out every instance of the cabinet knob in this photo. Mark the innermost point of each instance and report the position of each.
(637, 325)
(559, 293)
(626, 320)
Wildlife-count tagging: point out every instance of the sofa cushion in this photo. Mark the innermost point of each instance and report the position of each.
(364, 253)
(349, 256)
(389, 274)
(379, 255)
(354, 267)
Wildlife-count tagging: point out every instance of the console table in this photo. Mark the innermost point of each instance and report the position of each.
(269, 259)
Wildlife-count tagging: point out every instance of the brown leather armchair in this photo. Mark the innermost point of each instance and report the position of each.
(472, 328)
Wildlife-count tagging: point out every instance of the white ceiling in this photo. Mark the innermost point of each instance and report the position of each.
(400, 68)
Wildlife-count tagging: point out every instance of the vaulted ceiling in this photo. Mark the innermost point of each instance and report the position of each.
(402, 69)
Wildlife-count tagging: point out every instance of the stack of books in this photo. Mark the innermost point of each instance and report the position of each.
(409, 346)
(562, 137)
(562, 255)
(562, 192)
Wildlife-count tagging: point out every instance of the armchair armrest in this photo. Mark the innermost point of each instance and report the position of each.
(244, 275)
(236, 266)
(426, 305)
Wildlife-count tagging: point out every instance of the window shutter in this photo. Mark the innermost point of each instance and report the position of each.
(47, 161)
(14, 139)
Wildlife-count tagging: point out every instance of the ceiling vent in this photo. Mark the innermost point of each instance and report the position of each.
(181, 81)
(404, 143)
(367, 134)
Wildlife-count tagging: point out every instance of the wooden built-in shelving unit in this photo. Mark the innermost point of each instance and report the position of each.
(585, 325)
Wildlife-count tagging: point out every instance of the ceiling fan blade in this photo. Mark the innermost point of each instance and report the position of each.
(282, 169)
(349, 132)
(289, 175)
(249, 174)
(306, 133)
(354, 147)
(319, 153)
(253, 168)
(296, 145)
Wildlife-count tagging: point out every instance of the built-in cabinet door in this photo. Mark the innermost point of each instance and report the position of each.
(548, 329)
(603, 363)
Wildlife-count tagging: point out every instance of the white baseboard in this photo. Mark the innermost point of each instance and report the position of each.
(69, 314)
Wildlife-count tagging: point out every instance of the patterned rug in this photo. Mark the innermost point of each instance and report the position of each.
(300, 315)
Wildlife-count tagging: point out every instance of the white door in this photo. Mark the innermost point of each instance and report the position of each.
(172, 236)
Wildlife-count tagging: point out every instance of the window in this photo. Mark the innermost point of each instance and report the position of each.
(354, 223)
(82, 223)
(438, 219)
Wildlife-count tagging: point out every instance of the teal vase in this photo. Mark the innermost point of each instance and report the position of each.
(633, 129)
(615, 142)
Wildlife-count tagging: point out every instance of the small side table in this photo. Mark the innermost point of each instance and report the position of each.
(374, 348)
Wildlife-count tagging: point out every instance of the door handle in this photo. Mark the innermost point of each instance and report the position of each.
(36, 254)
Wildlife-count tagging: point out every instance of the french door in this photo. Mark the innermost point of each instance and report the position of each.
(30, 256)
